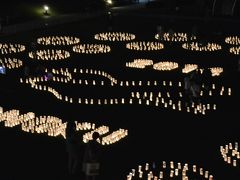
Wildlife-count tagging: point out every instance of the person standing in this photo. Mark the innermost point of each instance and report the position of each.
(73, 143)
(91, 160)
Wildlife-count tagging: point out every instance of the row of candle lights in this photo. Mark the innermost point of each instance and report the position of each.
(144, 46)
(196, 46)
(54, 126)
(139, 63)
(49, 54)
(175, 37)
(165, 66)
(11, 48)
(233, 40)
(91, 48)
(235, 50)
(169, 65)
(69, 79)
(58, 40)
(230, 154)
(11, 63)
(123, 36)
(114, 36)
(189, 68)
(168, 170)
(7, 48)
(66, 72)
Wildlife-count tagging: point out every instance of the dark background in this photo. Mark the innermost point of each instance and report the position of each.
(155, 134)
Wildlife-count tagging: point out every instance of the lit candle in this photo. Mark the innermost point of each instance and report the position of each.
(147, 167)
(206, 174)
(194, 168)
(139, 168)
(164, 164)
(161, 175)
(234, 163)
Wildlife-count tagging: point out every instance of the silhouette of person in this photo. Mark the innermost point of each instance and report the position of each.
(91, 159)
(26, 71)
(195, 85)
(207, 78)
(187, 91)
(73, 143)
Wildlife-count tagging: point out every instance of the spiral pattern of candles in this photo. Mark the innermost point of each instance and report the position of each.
(114, 36)
(7, 48)
(54, 126)
(168, 170)
(58, 40)
(162, 99)
(230, 154)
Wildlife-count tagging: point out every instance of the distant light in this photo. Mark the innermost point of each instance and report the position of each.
(109, 1)
(46, 8)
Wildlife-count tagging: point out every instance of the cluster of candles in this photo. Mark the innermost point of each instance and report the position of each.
(58, 40)
(11, 63)
(165, 66)
(91, 48)
(114, 137)
(53, 126)
(114, 36)
(139, 63)
(165, 100)
(169, 170)
(189, 68)
(144, 46)
(109, 139)
(216, 71)
(175, 37)
(233, 40)
(196, 46)
(231, 154)
(235, 50)
(11, 48)
(49, 54)
(84, 126)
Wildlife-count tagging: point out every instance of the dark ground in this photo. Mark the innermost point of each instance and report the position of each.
(154, 134)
